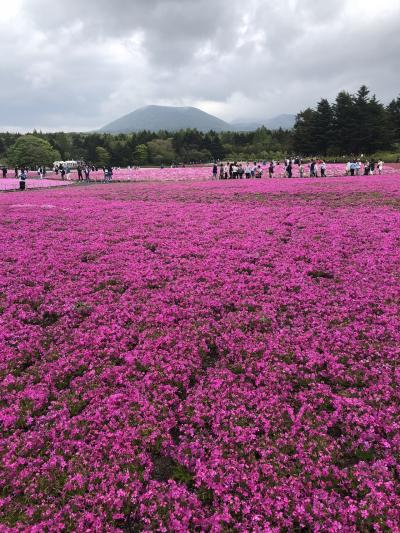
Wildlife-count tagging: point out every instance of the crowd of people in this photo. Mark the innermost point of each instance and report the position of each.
(83, 171)
(314, 169)
(368, 168)
(223, 171)
(255, 169)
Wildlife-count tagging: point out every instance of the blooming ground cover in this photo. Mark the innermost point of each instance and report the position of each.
(210, 356)
(13, 183)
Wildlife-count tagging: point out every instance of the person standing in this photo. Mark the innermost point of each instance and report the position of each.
(4, 172)
(380, 166)
(271, 169)
(247, 171)
(289, 169)
(215, 171)
(234, 171)
(221, 171)
(372, 168)
(22, 179)
(87, 173)
(301, 171)
(323, 169)
(226, 171)
(80, 174)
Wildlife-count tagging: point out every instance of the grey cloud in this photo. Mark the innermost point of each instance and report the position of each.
(76, 64)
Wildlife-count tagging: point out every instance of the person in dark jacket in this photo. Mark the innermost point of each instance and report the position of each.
(22, 179)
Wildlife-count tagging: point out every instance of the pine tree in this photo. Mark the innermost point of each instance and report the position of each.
(303, 135)
(344, 123)
(322, 127)
(393, 114)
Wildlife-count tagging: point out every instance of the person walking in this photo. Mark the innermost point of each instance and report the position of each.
(380, 167)
(247, 171)
(301, 171)
(221, 171)
(289, 170)
(323, 169)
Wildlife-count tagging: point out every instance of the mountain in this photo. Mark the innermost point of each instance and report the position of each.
(286, 122)
(156, 118)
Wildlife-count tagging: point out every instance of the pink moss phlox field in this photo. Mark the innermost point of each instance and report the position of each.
(216, 356)
(13, 183)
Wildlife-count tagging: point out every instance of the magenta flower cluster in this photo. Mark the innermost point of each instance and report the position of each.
(216, 356)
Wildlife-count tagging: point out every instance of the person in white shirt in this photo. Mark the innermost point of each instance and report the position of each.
(226, 171)
(380, 166)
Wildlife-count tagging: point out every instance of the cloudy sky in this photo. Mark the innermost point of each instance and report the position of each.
(78, 64)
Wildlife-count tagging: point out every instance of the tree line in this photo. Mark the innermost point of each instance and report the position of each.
(353, 124)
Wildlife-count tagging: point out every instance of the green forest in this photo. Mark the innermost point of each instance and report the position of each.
(352, 125)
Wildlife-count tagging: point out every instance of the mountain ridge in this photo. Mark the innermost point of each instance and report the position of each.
(156, 118)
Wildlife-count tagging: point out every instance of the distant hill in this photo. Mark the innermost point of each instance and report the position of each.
(286, 122)
(156, 118)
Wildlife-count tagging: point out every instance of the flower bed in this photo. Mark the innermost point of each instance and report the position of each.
(10, 184)
(201, 356)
